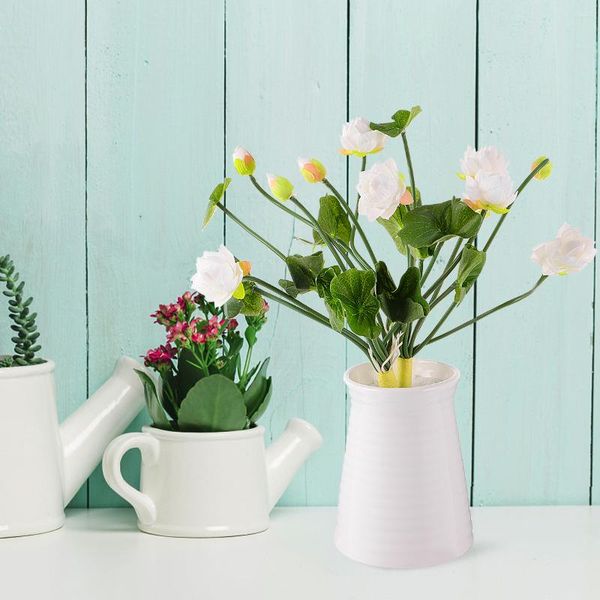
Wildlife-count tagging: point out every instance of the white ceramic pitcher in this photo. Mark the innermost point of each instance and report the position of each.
(209, 484)
(403, 497)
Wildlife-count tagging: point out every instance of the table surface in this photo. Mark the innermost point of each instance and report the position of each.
(533, 553)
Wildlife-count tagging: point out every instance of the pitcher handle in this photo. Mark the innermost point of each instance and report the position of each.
(149, 448)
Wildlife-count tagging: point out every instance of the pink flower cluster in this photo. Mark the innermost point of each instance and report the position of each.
(163, 355)
(198, 331)
(170, 314)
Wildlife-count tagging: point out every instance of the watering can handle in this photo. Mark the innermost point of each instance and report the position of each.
(111, 467)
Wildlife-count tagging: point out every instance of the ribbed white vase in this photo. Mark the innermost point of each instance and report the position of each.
(403, 496)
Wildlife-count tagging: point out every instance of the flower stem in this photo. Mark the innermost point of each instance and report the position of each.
(253, 233)
(315, 224)
(428, 339)
(432, 260)
(519, 190)
(453, 261)
(354, 219)
(490, 311)
(411, 172)
(404, 367)
(315, 316)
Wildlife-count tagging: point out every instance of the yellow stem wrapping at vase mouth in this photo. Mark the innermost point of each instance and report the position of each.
(387, 379)
(403, 368)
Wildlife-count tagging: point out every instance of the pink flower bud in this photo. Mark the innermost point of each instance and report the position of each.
(281, 188)
(243, 161)
(312, 170)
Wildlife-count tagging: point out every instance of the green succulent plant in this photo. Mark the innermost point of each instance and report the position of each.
(25, 338)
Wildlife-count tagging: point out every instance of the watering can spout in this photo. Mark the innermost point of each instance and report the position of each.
(86, 433)
(287, 454)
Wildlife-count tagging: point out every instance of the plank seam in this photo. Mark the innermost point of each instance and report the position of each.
(474, 341)
(592, 387)
(225, 115)
(86, 229)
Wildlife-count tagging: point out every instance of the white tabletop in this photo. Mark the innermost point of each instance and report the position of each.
(537, 553)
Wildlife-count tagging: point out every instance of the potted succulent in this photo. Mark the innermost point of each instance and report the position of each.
(403, 500)
(42, 464)
(205, 471)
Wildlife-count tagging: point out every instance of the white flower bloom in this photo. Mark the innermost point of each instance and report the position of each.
(217, 276)
(489, 191)
(359, 139)
(569, 252)
(381, 190)
(487, 159)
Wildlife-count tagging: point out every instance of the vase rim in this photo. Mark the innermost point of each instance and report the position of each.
(452, 375)
(27, 370)
(204, 436)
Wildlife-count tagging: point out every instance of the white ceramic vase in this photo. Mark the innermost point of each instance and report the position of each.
(403, 497)
(209, 484)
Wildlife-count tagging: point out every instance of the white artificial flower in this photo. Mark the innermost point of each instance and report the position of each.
(381, 190)
(217, 276)
(359, 139)
(489, 191)
(569, 252)
(487, 159)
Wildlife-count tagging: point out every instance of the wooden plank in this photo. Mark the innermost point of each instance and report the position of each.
(396, 61)
(155, 138)
(536, 96)
(286, 96)
(43, 180)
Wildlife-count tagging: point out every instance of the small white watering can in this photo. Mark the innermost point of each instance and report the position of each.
(209, 484)
(42, 464)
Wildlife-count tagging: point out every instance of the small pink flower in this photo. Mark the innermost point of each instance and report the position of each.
(160, 356)
(166, 314)
(232, 324)
(177, 333)
(265, 306)
(186, 301)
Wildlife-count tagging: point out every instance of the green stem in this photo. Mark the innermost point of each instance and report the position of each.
(354, 219)
(427, 340)
(315, 224)
(277, 203)
(519, 190)
(432, 260)
(253, 233)
(491, 311)
(411, 172)
(453, 261)
(315, 317)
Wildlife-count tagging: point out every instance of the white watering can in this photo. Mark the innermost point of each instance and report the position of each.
(209, 484)
(42, 464)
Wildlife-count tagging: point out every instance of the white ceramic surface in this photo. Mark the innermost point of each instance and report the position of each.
(209, 484)
(403, 497)
(43, 465)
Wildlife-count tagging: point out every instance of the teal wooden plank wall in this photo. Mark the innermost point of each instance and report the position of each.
(119, 117)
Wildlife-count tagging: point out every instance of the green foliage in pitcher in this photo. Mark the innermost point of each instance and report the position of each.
(204, 383)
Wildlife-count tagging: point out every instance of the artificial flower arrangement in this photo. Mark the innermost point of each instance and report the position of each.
(204, 384)
(23, 324)
(378, 313)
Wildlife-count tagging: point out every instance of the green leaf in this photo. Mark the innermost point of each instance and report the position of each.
(259, 390)
(262, 407)
(214, 404)
(155, 409)
(334, 307)
(393, 226)
(288, 287)
(333, 220)
(304, 270)
(431, 223)
(214, 199)
(404, 303)
(471, 264)
(252, 303)
(401, 119)
(354, 290)
(232, 308)
(187, 373)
